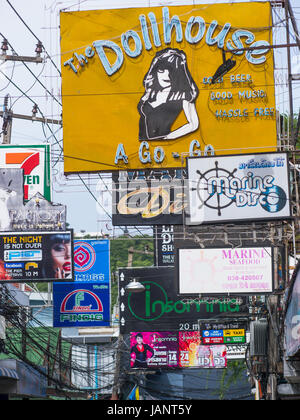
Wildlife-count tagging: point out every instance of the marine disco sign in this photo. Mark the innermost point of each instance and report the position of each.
(238, 188)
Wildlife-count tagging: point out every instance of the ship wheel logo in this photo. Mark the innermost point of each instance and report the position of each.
(215, 196)
(217, 189)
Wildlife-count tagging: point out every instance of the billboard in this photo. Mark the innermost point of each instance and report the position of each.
(36, 256)
(164, 245)
(153, 350)
(37, 214)
(193, 354)
(149, 70)
(81, 304)
(171, 350)
(148, 197)
(159, 308)
(35, 161)
(238, 188)
(230, 333)
(246, 270)
(92, 260)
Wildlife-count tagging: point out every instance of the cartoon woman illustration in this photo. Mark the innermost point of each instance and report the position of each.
(58, 257)
(169, 89)
(140, 350)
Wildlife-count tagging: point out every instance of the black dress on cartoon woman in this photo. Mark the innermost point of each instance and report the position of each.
(169, 90)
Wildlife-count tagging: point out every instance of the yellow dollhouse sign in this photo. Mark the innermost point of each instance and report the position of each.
(137, 85)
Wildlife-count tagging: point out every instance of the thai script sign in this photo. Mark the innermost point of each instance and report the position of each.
(235, 188)
(154, 350)
(38, 214)
(173, 350)
(225, 270)
(150, 74)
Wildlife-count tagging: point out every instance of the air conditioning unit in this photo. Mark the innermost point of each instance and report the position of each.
(291, 370)
(259, 338)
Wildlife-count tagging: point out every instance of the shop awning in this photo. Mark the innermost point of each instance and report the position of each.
(8, 373)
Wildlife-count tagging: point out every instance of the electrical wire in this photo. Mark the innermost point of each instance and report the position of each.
(30, 30)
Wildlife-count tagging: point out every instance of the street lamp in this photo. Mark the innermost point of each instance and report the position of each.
(135, 286)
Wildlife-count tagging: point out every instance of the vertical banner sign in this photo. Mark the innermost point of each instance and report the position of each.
(36, 256)
(81, 304)
(11, 195)
(189, 344)
(150, 72)
(164, 245)
(35, 161)
(237, 188)
(92, 260)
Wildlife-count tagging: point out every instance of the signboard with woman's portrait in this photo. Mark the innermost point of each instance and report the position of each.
(36, 256)
(139, 91)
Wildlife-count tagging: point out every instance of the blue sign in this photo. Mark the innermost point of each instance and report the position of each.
(91, 260)
(81, 304)
(212, 333)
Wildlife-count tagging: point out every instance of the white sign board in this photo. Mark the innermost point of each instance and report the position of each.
(2, 328)
(225, 270)
(240, 187)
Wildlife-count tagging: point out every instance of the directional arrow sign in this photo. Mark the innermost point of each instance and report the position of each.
(122, 291)
(122, 321)
(122, 306)
(122, 276)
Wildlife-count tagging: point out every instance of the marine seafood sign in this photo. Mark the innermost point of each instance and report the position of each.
(138, 84)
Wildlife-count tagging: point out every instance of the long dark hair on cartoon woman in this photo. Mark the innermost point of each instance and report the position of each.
(57, 257)
(169, 89)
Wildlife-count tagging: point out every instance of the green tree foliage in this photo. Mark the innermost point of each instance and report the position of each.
(119, 257)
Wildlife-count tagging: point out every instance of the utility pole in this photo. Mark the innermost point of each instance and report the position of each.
(286, 7)
(8, 116)
(24, 58)
(7, 122)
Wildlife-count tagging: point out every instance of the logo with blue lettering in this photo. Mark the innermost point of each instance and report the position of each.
(23, 255)
(219, 188)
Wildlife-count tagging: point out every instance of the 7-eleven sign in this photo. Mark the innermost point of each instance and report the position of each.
(35, 161)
